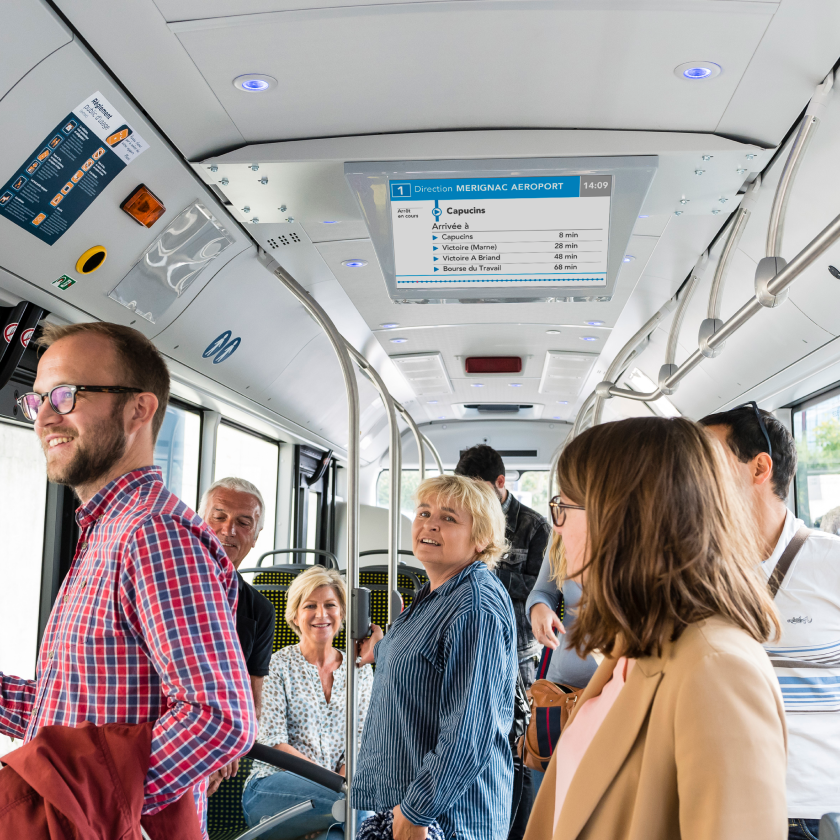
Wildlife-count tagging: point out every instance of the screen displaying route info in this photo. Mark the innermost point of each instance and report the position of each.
(69, 169)
(516, 231)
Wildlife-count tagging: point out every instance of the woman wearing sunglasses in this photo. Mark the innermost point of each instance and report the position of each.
(680, 732)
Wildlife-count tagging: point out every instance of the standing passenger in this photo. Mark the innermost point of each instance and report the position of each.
(528, 534)
(142, 629)
(435, 746)
(807, 657)
(680, 732)
(234, 510)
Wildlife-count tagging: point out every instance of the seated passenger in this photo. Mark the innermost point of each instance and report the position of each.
(680, 732)
(234, 509)
(436, 747)
(304, 711)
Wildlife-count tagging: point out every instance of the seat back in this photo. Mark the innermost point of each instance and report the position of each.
(225, 818)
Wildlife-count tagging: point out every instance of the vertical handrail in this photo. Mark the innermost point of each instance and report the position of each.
(348, 372)
(434, 452)
(395, 467)
(421, 452)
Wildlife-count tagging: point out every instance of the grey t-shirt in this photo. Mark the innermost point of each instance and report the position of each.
(565, 666)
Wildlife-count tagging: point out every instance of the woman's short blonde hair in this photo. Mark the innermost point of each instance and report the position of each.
(478, 499)
(305, 584)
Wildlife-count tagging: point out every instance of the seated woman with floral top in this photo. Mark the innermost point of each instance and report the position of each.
(303, 710)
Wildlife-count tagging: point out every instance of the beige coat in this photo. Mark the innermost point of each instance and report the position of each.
(694, 748)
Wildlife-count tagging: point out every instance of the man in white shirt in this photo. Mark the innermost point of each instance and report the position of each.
(806, 658)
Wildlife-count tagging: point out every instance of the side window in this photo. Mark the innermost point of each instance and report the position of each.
(256, 459)
(531, 488)
(23, 493)
(408, 486)
(177, 452)
(816, 428)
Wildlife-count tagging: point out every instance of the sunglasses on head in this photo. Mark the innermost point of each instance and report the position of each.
(754, 406)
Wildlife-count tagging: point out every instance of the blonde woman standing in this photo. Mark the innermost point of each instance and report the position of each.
(304, 706)
(680, 732)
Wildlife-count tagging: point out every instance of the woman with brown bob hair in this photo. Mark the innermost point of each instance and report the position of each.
(681, 732)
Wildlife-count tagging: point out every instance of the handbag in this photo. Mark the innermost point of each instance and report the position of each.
(551, 704)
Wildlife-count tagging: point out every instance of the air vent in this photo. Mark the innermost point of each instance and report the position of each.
(565, 373)
(489, 407)
(519, 411)
(425, 372)
(276, 241)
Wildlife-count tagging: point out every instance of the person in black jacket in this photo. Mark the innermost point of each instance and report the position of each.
(528, 534)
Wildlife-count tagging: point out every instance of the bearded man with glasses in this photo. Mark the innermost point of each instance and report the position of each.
(142, 629)
(803, 573)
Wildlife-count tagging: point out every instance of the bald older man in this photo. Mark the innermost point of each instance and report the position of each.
(234, 509)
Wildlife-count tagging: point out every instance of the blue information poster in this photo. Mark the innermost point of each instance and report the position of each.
(517, 231)
(69, 169)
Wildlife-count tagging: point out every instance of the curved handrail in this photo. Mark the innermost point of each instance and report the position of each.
(421, 452)
(434, 452)
(332, 564)
(299, 766)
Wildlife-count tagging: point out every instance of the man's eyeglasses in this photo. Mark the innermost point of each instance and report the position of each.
(62, 398)
(558, 511)
(754, 406)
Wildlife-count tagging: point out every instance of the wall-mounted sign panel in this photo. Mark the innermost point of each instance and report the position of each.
(450, 231)
(517, 231)
(69, 169)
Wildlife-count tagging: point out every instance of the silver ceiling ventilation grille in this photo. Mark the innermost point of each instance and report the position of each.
(565, 373)
(425, 372)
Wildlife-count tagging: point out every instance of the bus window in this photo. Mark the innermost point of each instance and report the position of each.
(408, 487)
(177, 451)
(23, 494)
(531, 488)
(816, 428)
(256, 459)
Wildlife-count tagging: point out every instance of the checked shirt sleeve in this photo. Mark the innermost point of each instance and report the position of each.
(475, 705)
(17, 697)
(174, 592)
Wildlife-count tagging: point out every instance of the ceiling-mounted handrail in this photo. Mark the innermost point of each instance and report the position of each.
(395, 467)
(26, 315)
(354, 632)
(421, 452)
(434, 452)
(808, 126)
(778, 284)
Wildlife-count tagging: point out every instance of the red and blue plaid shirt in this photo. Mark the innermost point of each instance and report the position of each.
(142, 630)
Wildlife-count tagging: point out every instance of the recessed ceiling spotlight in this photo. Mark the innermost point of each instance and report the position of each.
(588, 338)
(329, 223)
(594, 323)
(398, 340)
(389, 326)
(354, 263)
(254, 83)
(515, 384)
(562, 402)
(477, 384)
(556, 416)
(433, 402)
(441, 417)
(552, 332)
(644, 217)
(628, 258)
(697, 70)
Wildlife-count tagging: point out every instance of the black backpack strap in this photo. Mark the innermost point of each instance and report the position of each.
(787, 558)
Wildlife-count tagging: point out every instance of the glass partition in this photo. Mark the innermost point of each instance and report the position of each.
(177, 452)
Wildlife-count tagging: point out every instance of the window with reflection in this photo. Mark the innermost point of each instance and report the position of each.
(241, 454)
(816, 428)
(177, 452)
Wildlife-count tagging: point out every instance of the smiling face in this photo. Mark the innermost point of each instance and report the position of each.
(442, 535)
(84, 446)
(319, 616)
(234, 518)
(575, 534)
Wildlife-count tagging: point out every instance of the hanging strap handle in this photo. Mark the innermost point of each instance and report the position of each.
(787, 558)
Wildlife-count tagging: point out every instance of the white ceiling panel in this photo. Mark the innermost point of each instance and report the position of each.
(361, 86)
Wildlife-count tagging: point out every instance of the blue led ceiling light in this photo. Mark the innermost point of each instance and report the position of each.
(515, 384)
(588, 338)
(254, 83)
(389, 326)
(697, 70)
(562, 402)
(354, 263)
(628, 258)
(433, 402)
(477, 384)
(594, 323)
(398, 340)
(330, 223)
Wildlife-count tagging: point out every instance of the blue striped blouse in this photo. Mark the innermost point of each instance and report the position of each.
(435, 740)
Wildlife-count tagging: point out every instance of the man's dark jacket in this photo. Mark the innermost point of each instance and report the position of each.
(528, 534)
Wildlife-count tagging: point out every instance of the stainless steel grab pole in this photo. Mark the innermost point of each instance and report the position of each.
(434, 452)
(352, 387)
(395, 467)
(418, 439)
(817, 246)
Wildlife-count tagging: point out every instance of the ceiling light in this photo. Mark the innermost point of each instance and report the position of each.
(477, 384)
(354, 263)
(628, 258)
(389, 326)
(433, 402)
(441, 417)
(644, 217)
(329, 223)
(588, 338)
(562, 402)
(254, 83)
(398, 340)
(697, 70)
(515, 384)
(552, 332)
(556, 416)
(594, 323)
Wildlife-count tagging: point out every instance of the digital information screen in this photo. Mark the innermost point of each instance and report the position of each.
(516, 231)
